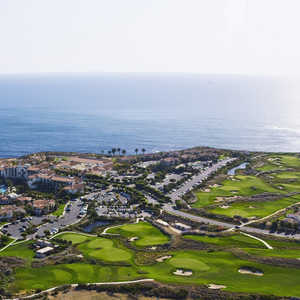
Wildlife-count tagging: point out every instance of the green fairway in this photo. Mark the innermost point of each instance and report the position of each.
(217, 267)
(230, 241)
(98, 248)
(285, 253)
(257, 209)
(240, 185)
(222, 268)
(20, 250)
(147, 234)
(277, 162)
(50, 276)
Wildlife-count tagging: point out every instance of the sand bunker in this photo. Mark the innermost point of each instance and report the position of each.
(133, 239)
(163, 258)
(225, 206)
(250, 271)
(219, 199)
(183, 273)
(216, 185)
(216, 286)
(207, 190)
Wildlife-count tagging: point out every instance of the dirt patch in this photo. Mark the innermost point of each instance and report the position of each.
(93, 295)
(163, 258)
(133, 239)
(207, 190)
(216, 286)
(181, 272)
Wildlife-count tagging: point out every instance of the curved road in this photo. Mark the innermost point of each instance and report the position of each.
(168, 208)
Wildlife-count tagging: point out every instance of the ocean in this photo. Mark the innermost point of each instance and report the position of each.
(158, 112)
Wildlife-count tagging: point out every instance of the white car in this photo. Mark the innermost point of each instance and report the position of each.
(53, 230)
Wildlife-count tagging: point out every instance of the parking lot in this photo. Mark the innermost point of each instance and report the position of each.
(45, 223)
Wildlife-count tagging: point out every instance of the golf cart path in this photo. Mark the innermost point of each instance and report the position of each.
(256, 238)
(9, 244)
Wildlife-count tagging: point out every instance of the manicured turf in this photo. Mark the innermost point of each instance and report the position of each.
(98, 248)
(255, 209)
(285, 253)
(50, 276)
(19, 250)
(73, 237)
(147, 234)
(243, 186)
(230, 241)
(216, 267)
(222, 268)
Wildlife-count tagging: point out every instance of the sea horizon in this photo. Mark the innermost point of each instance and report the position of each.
(158, 112)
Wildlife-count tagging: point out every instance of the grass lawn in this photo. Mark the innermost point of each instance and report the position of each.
(147, 234)
(20, 250)
(59, 210)
(255, 209)
(287, 175)
(285, 253)
(99, 248)
(218, 267)
(73, 237)
(50, 276)
(222, 268)
(230, 241)
(243, 186)
(276, 162)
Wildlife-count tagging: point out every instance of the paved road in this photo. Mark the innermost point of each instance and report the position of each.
(168, 208)
(197, 179)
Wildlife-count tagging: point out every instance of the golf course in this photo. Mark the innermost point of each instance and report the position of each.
(113, 261)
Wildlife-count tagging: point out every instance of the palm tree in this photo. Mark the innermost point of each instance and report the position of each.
(113, 151)
(119, 151)
(136, 151)
(109, 152)
(123, 151)
(143, 150)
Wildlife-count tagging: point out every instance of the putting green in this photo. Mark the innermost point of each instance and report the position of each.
(188, 263)
(98, 248)
(74, 238)
(147, 234)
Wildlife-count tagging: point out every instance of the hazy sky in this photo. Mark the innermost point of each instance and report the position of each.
(203, 36)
